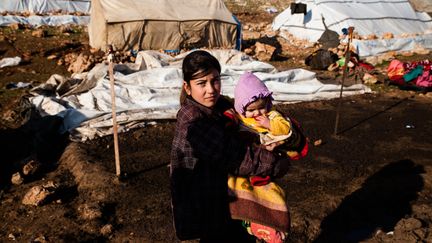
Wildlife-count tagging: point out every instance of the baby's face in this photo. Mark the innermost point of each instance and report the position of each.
(256, 108)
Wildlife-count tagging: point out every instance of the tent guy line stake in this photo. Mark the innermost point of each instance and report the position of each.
(344, 75)
(113, 106)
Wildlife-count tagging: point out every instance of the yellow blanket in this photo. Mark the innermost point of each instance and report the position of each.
(265, 205)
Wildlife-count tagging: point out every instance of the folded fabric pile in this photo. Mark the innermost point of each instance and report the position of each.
(416, 74)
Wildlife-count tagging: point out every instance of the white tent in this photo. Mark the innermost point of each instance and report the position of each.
(162, 24)
(422, 5)
(377, 17)
(41, 12)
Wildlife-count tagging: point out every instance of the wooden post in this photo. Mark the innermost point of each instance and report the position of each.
(344, 75)
(113, 106)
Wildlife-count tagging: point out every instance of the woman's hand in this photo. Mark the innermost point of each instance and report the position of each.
(270, 147)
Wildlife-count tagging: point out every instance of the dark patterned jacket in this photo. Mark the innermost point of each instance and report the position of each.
(203, 152)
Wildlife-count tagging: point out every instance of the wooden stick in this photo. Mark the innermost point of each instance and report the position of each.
(344, 75)
(114, 116)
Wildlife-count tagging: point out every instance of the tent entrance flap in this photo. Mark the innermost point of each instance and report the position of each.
(125, 36)
(168, 35)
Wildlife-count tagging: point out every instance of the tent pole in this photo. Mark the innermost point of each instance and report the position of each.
(344, 75)
(113, 106)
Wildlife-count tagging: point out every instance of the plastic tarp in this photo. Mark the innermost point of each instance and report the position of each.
(9, 61)
(149, 90)
(374, 47)
(44, 8)
(36, 20)
(366, 16)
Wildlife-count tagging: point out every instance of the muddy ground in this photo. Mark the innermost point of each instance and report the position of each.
(371, 183)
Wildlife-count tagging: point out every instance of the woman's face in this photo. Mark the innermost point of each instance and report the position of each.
(206, 89)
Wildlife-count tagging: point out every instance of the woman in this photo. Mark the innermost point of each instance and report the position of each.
(204, 151)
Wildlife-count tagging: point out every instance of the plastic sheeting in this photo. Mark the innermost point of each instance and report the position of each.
(367, 16)
(149, 90)
(54, 20)
(9, 61)
(45, 6)
(375, 47)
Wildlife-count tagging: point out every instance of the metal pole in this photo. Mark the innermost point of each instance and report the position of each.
(344, 75)
(113, 105)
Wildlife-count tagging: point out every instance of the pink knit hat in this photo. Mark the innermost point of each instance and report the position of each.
(248, 89)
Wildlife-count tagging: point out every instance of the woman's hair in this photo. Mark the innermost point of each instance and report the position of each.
(196, 65)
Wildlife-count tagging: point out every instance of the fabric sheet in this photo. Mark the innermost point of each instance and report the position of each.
(149, 89)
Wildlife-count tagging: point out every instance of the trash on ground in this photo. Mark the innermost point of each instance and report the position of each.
(9, 61)
(19, 85)
(271, 10)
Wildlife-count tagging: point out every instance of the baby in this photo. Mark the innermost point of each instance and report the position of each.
(253, 103)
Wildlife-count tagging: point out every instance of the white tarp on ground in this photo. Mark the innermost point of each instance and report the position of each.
(149, 90)
(366, 16)
(9, 61)
(36, 20)
(44, 8)
(367, 48)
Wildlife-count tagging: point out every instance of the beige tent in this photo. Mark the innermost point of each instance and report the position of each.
(422, 5)
(161, 24)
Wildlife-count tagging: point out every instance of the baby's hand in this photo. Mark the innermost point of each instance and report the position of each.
(263, 121)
